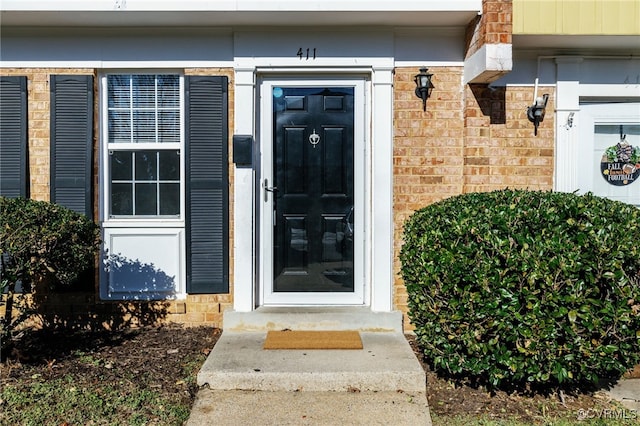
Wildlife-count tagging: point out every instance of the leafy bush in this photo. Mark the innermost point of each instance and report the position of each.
(514, 287)
(42, 245)
(46, 240)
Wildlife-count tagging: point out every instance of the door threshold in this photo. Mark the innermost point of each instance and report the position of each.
(359, 318)
(278, 309)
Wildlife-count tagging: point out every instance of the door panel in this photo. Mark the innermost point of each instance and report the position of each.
(313, 168)
(606, 128)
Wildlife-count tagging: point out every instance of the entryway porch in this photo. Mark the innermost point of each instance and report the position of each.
(383, 383)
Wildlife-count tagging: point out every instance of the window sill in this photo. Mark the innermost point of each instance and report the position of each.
(143, 223)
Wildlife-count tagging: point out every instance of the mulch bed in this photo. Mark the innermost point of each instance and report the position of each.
(151, 358)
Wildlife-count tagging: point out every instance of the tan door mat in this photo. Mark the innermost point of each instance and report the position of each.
(296, 339)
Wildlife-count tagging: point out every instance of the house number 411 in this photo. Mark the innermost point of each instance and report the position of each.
(306, 54)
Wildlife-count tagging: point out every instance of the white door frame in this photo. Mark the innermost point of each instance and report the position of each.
(379, 275)
(264, 199)
(604, 113)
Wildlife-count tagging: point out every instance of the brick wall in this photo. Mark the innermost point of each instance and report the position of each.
(471, 138)
(494, 26)
(428, 149)
(83, 310)
(500, 148)
(76, 307)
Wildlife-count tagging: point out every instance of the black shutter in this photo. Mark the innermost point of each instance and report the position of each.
(207, 199)
(72, 142)
(14, 176)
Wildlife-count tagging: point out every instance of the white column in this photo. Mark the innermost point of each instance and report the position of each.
(567, 142)
(243, 198)
(381, 224)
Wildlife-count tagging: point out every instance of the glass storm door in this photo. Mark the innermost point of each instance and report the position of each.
(610, 154)
(310, 192)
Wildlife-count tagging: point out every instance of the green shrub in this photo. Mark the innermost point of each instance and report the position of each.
(514, 287)
(46, 240)
(42, 246)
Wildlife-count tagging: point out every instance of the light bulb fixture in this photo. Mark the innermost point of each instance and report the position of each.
(535, 113)
(424, 87)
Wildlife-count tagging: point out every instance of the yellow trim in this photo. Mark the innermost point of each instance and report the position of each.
(576, 17)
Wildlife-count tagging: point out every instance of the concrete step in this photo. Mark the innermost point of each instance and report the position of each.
(313, 318)
(242, 383)
(386, 363)
(309, 408)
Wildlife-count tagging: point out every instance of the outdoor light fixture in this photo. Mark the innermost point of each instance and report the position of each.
(423, 86)
(535, 113)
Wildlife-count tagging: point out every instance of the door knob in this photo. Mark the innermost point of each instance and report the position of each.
(268, 188)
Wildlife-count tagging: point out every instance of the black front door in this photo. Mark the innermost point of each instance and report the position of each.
(314, 181)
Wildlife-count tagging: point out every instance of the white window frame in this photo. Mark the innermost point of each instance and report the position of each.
(106, 147)
(165, 228)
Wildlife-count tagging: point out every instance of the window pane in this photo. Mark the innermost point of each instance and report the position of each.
(169, 165)
(146, 165)
(146, 202)
(144, 91)
(121, 166)
(168, 126)
(150, 102)
(144, 126)
(119, 127)
(169, 199)
(121, 199)
(144, 108)
(119, 91)
(168, 91)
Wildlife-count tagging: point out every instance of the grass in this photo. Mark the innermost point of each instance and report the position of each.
(145, 376)
(86, 358)
(60, 401)
(63, 401)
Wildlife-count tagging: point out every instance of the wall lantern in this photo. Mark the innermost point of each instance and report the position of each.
(535, 113)
(424, 87)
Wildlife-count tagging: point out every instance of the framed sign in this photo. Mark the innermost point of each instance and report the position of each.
(620, 163)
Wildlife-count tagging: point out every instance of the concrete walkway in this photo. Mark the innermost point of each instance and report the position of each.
(627, 392)
(308, 408)
(244, 384)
